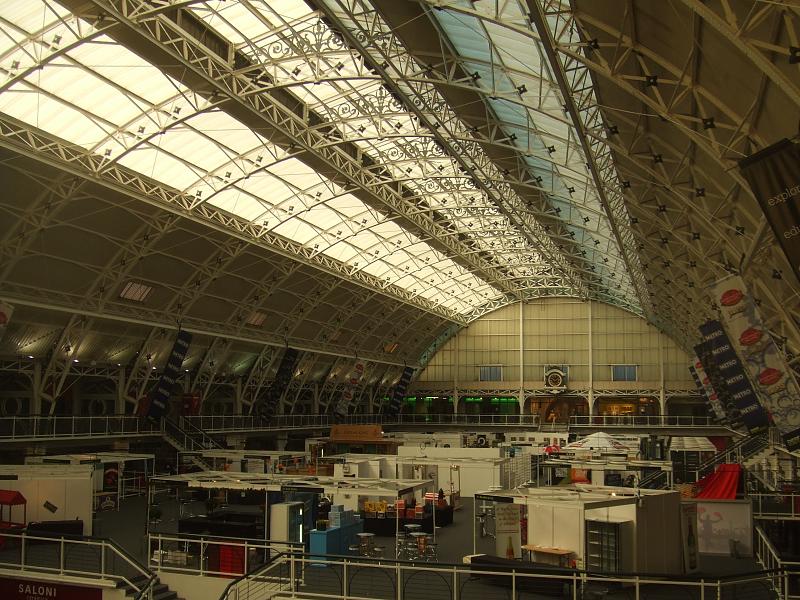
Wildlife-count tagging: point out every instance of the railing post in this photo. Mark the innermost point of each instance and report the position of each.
(455, 583)
(103, 560)
(513, 584)
(23, 545)
(636, 595)
(344, 579)
(61, 557)
(399, 588)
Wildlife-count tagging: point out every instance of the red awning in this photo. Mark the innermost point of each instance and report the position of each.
(11, 498)
(721, 484)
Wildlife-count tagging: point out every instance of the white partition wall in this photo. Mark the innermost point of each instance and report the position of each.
(54, 493)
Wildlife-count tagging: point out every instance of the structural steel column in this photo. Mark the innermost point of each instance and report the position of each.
(590, 397)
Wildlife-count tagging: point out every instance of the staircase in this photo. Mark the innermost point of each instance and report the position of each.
(188, 438)
(152, 589)
(746, 448)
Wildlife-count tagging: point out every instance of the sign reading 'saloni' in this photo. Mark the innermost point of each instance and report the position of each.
(774, 177)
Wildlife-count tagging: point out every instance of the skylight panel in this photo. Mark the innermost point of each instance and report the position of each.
(135, 291)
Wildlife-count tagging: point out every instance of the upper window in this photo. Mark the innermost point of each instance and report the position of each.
(491, 373)
(623, 372)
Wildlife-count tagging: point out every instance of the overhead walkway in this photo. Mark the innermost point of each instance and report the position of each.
(658, 424)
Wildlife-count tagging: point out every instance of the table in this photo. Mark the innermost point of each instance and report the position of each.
(558, 557)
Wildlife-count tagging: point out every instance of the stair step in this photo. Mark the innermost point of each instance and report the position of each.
(165, 595)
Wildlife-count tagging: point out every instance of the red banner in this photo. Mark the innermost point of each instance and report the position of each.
(26, 589)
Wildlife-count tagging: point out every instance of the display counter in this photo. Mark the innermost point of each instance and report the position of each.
(335, 540)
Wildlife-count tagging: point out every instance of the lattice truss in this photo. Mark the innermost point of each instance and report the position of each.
(596, 164)
(668, 97)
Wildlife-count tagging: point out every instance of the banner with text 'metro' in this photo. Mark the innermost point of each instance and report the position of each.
(396, 401)
(774, 176)
(716, 382)
(160, 395)
(771, 376)
(730, 367)
(703, 383)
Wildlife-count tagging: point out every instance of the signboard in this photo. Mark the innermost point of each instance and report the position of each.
(490, 498)
(703, 382)
(774, 177)
(159, 397)
(12, 588)
(308, 489)
(343, 406)
(508, 541)
(396, 401)
(6, 310)
(738, 385)
(771, 376)
(689, 536)
(356, 433)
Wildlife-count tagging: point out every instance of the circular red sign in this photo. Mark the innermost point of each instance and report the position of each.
(731, 297)
(750, 336)
(769, 376)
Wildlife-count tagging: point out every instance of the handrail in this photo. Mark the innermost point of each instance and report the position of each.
(64, 540)
(35, 427)
(641, 421)
(740, 451)
(516, 575)
(254, 573)
(193, 429)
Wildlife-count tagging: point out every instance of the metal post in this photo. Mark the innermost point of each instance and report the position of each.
(103, 560)
(61, 558)
(513, 584)
(344, 579)
(24, 543)
(455, 583)
(399, 589)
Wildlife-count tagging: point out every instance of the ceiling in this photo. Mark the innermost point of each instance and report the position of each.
(359, 179)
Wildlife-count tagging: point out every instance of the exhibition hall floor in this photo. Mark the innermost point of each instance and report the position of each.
(127, 528)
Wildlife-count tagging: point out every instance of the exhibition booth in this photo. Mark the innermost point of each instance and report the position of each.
(253, 461)
(606, 470)
(600, 529)
(58, 498)
(116, 475)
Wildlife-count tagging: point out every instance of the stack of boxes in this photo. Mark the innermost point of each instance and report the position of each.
(338, 517)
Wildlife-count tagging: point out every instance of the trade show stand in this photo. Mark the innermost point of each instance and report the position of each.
(253, 461)
(605, 470)
(604, 529)
(116, 474)
(53, 493)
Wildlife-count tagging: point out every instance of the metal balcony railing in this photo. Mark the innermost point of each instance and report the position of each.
(42, 427)
(356, 578)
(229, 423)
(639, 421)
(87, 557)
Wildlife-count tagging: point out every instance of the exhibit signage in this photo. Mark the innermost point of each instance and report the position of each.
(12, 588)
(160, 395)
(774, 177)
(508, 540)
(343, 406)
(490, 498)
(770, 374)
(356, 433)
(703, 382)
(396, 401)
(736, 381)
(689, 536)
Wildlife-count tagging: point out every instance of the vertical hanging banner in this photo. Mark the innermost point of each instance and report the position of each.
(343, 406)
(159, 397)
(6, 310)
(282, 378)
(730, 367)
(704, 384)
(717, 383)
(396, 401)
(774, 176)
(774, 383)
